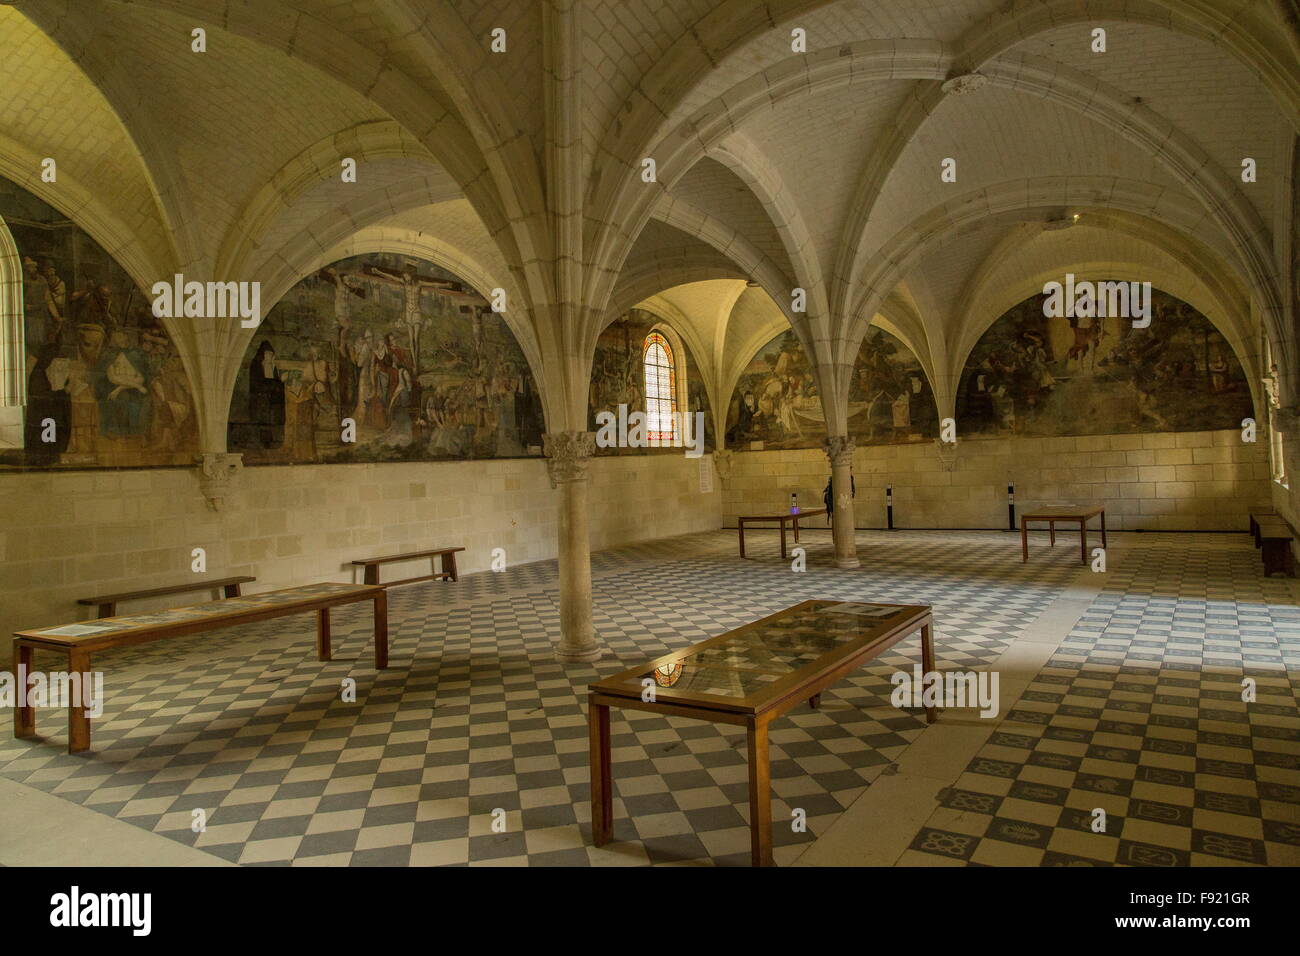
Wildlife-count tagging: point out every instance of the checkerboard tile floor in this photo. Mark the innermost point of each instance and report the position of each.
(1139, 716)
(472, 748)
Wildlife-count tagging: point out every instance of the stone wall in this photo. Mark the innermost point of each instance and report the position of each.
(76, 534)
(1201, 481)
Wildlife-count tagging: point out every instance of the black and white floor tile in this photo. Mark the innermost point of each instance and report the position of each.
(472, 747)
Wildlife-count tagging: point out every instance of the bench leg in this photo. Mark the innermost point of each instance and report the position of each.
(760, 794)
(372, 574)
(323, 634)
(782, 540)
(78, 722)
(381, 630)
(740, 530)
(1024, 541)
(815, 701)
(1051, 532)
(107, 610)
(449, 566)
(1083, 541)
(927, 665)
(1103, 530)
(602, 780)
(24, 713)
(232, 590)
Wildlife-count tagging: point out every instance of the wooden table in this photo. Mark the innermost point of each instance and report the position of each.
(81, 640)
(748, 677)
(782, 519)
(1064, 513)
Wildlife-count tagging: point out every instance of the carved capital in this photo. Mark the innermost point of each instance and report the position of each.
(218, 474)
(567, 455)
(1272, 388)
(947, 453)
(724, 459)
(839, 450)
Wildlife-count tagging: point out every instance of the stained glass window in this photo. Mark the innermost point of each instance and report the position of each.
(660, 389)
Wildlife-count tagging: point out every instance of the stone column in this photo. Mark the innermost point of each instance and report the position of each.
(840, 452)
(567, 456)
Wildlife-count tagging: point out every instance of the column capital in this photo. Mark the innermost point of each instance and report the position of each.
(839, 449)
(723, 460)
(218, 476)
(567, 455)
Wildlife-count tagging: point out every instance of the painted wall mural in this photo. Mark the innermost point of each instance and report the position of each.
(405, 350)
(618, 377)
(98, 364)
(1036, 375)
(776, 401)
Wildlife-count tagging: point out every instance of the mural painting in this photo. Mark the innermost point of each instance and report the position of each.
(776, 401)
(1031, 374)
(399, 350)
(99, 366)
(618, 376)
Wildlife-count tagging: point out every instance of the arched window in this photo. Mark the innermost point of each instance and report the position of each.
(13, 350)
(660, 389)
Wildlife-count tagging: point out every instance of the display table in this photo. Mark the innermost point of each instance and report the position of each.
(79, 641)
(1066, 514)
(749, 677)
(791, 518)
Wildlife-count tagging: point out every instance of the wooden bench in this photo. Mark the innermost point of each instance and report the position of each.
(1255, 515)
(108, 602)
(1273, 537)
(446, 556)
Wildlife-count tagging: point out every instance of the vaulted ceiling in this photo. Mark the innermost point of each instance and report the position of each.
(776, 169)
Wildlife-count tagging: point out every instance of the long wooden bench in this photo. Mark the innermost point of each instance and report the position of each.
(108, 602)
(1273, 536)
(446, 557)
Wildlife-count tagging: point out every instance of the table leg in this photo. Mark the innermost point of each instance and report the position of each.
(381, 630)
(449, 565)
(927, 665)
(1024, 541)
(796, 530)
(1083, 540)
(602, 784)
(24, 713)
(1051, 533)
(760, 795)
(1103, 529)
(323, 633)
(740, 529)
(782, 523)
(78, 722)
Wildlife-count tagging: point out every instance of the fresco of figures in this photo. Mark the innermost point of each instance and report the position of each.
(105, 385)
(1036, 375)
(618, 375)
(776, 401)
(392, 352)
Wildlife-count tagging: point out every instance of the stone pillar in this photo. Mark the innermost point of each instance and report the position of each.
(840, 452)
(567, 456)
